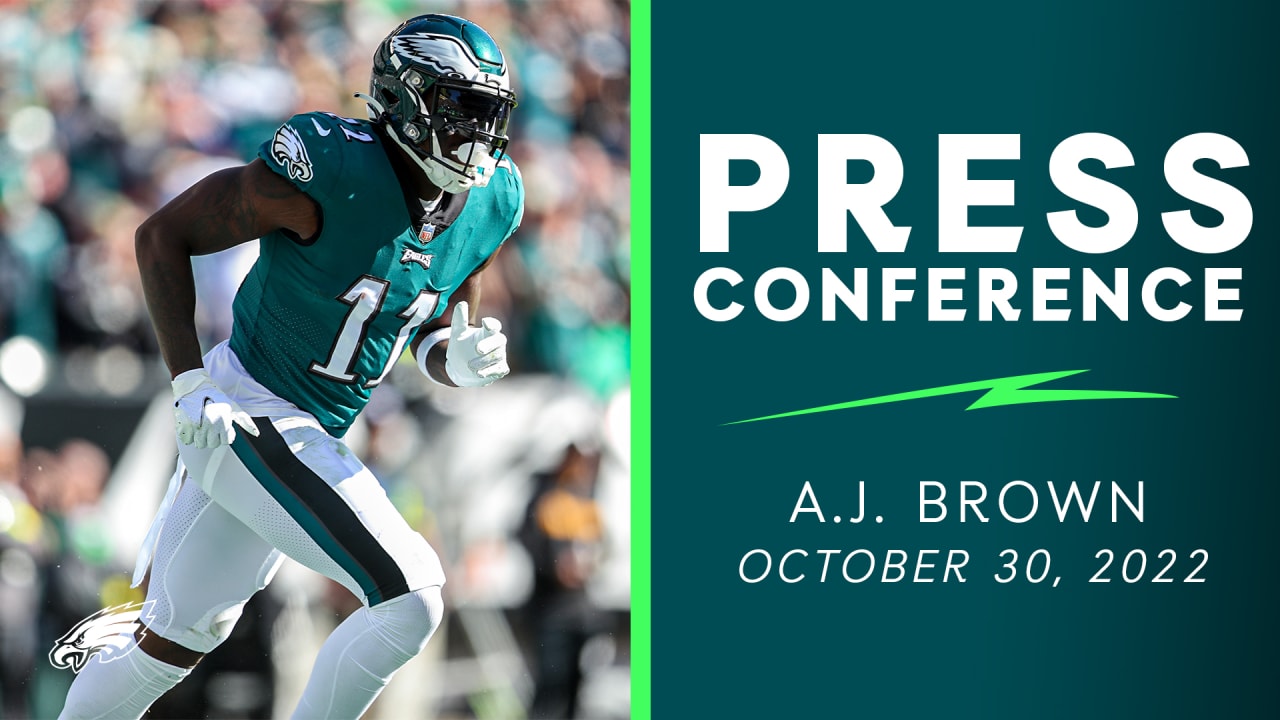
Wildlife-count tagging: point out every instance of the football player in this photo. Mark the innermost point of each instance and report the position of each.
(374, 234)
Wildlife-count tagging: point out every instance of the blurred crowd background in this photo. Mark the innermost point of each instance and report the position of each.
(109, 108)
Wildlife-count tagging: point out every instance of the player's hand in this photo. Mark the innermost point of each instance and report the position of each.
(477, 356)
(206, 416)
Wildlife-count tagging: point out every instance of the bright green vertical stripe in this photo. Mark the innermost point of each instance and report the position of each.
(641, 581)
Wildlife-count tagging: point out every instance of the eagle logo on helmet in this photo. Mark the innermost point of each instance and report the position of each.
(105, 633)
(443, 54)
(288, 150)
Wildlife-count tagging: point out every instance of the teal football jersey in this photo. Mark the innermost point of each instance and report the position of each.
(321, 324)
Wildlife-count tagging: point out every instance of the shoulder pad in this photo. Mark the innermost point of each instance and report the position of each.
(308, 150)
(512, 194)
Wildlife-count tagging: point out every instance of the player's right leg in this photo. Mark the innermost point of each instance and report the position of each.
(303, 491)
(206, 566)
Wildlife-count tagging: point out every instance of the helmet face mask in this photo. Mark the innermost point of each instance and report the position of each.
(452, 109)
(441, 87)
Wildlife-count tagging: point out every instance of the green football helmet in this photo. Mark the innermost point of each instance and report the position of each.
(436, 75)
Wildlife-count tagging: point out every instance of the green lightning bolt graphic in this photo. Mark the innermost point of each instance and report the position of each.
(1000, 391)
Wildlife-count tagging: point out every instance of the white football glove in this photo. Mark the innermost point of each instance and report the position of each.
(206, 416)
(476, 356)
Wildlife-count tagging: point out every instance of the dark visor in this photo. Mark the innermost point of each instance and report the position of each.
(459, 104)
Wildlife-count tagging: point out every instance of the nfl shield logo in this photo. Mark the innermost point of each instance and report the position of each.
(427, 232)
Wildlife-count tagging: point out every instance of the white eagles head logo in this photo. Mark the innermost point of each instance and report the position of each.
(106, 633)
(288, 150)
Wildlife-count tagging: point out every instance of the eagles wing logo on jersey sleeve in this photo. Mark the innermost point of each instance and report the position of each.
(105, 633)
(288, 150)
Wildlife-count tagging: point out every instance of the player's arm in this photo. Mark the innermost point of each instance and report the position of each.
(225, 209)
(453, 351)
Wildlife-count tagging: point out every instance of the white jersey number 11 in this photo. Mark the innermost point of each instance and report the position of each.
(365, 297)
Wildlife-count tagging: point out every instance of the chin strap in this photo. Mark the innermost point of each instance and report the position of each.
(374, 109)
(442, 177)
